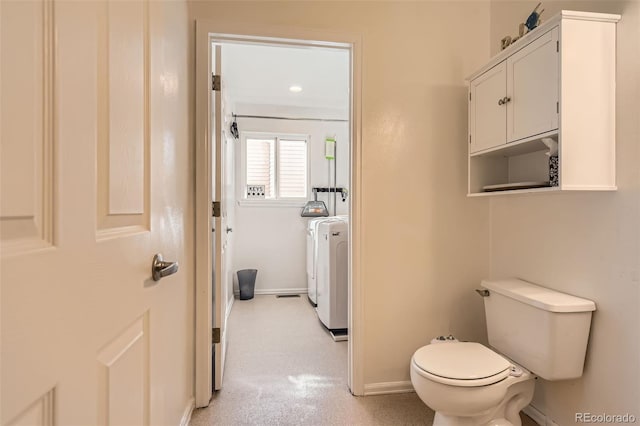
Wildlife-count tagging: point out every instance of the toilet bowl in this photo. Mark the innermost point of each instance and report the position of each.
(466, 383)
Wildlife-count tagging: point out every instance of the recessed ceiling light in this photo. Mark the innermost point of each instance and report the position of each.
(295, 89)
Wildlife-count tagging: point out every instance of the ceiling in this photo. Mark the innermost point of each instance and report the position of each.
(262, 75)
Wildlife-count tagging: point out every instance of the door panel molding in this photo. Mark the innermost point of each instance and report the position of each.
(123, 120)
(28, 128)
(124, 380)
(40, 413)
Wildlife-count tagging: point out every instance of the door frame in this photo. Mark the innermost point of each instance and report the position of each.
(208, 31)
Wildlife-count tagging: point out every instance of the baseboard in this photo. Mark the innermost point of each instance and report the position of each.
(535, 415)
(276, 291)
(186, 415)
(387, 388)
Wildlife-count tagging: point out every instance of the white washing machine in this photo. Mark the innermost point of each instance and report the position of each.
(333, 274)
(312, 253)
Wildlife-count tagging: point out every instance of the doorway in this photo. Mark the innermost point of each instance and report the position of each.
(212, 135)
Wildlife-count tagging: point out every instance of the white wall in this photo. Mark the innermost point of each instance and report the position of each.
(425, 245)
(584, 244)
(272, 239)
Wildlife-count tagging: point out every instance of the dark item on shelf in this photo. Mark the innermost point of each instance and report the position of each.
(553, 171)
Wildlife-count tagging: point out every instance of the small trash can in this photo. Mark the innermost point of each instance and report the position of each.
(247, 283)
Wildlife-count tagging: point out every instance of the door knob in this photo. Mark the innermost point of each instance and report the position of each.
(229, 229)
(160, 268)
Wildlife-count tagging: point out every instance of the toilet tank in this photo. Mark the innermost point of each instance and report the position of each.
(543, 330)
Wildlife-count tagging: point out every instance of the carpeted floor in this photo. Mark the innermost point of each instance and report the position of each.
(283, 368)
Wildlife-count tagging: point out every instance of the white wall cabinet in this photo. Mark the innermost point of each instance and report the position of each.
(518, 97)
(556, 82)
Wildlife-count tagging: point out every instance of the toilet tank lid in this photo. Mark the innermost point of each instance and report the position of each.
(540, 297)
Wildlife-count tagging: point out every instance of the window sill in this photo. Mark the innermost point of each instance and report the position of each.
(271, 203)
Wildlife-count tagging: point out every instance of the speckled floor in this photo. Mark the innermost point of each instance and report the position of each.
(284, 369)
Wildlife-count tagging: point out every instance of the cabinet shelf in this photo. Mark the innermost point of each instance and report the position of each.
(524, 146)
(517, 191)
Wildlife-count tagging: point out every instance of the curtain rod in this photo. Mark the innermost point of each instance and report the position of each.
(287, 118)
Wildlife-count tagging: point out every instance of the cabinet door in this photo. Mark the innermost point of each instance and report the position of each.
(532, 88)
(487, 127)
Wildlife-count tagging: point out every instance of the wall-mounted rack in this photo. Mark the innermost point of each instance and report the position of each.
(343, 191)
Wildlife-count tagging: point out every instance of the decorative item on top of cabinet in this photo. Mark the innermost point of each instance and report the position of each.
(534, 18)
(557, 84)
(529, 25)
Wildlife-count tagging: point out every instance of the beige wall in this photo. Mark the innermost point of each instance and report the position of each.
(584, 244)
(425, 244)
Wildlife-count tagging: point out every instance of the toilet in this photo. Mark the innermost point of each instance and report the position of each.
(533, 332)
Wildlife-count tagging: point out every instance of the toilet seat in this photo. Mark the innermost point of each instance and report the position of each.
(466, 364)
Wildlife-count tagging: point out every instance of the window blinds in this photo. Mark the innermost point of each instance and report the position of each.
(282, 169)
(261, 165)
(292, 171)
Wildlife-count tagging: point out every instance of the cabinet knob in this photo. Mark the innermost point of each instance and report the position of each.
(504, 100)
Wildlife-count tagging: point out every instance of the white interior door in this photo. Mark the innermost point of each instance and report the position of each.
(92, 170)
(210, 230)
(220, 227)
(227, 215)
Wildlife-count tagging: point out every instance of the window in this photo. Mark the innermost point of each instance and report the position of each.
(279, 163)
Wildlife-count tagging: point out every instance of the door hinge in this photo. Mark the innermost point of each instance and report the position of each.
(557, 107)
(469, 138)
(215, 82)
(215, 208)
(557, 45)
(469, 95)
(215, 335)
